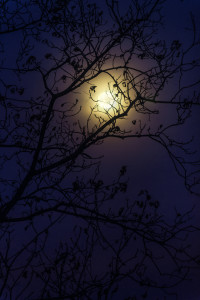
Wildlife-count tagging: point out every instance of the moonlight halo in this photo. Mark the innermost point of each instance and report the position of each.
(107, 101)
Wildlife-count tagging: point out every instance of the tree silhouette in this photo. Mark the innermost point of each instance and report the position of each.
(78, 76)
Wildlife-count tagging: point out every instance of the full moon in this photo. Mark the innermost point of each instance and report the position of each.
(107, 101)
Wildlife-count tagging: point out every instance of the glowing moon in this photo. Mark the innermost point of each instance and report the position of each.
(107, 101)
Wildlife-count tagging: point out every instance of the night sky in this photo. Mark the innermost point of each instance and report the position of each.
(85, 185)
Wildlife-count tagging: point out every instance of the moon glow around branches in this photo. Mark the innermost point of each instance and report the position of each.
(109, 96)
(107, 101)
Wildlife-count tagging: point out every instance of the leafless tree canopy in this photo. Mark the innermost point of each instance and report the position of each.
(73, 75)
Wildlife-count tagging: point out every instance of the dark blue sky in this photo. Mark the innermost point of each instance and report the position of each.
(148, 164)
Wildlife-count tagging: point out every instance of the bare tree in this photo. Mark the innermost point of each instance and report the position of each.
(77, 77)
